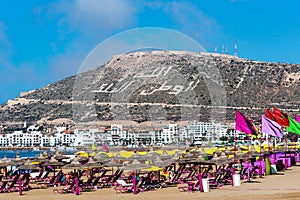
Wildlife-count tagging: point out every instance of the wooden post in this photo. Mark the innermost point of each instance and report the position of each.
(20, 187)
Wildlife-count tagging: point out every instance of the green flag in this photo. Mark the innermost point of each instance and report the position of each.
(294, 126)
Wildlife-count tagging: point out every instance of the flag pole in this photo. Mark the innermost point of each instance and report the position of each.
(249, 160)
(286, 150)
(275, 143)
(295, 141)
(260, 157)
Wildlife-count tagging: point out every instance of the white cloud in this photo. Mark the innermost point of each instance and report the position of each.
(88, 16)
(81, 24)
(191, 18)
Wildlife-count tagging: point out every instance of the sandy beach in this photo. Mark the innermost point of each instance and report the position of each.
(284, 185)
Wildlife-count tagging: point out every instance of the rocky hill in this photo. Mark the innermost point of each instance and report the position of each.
(161, 86)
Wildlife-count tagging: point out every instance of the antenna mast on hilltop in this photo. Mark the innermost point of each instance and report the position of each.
(235, 49)
(215, 48)
(223, 49)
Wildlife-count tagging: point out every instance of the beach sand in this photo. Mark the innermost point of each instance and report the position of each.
(284, 185)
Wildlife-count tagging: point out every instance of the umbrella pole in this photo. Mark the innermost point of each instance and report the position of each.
(234, 158)
(134, 182)
(76, 186)
(200, 182)
(20, 187)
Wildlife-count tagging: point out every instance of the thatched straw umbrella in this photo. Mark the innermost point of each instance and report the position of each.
(17, 161)
(138, 157)
(118, 157)
(92, 164)
(101, 157)
(3, 164)
(40, 158)
(253, 152)
(215, 158)
(28, 166)
(134, 166)
(58, 156)
(165, 155)
(75, 164)
(188, 156)
(53, 163)
(240, 155)
(228, 152)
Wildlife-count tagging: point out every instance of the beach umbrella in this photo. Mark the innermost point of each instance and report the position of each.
(134, 166)
(58, 156)
(113, 163)
(28, 166)
(186, 158)
(53, 163)
(118, 157)
(218, 152)
(17, 160)
(101, 157)
(240, 154)
(150, 155)
(92, 164)
(223, 159)
(157, 161)
(82, 159)
(136, 156)
(40, 158)
(4, 162)
(75, 164)
(215, 158)
(228, 152)
(253, 152)
(202, 153)
(45, 154)
(165, 155)
(199, 159)
(82, 154)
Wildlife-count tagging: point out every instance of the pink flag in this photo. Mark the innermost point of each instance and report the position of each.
(297, 118)
(105, 148)
(243, 124)
(270, 127)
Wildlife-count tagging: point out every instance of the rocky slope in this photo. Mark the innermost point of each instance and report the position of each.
(161, 86)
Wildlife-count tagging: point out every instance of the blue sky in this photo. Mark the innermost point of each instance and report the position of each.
(43, 41)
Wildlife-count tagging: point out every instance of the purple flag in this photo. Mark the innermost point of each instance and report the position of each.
(270, 127)
(243, 124)
(297, 118)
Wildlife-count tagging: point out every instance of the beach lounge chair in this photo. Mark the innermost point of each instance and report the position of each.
(25, 186)
(11, 183)
(3, 186)
(67, 189)
(123, 187)
(189, 186)
(109, 180)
